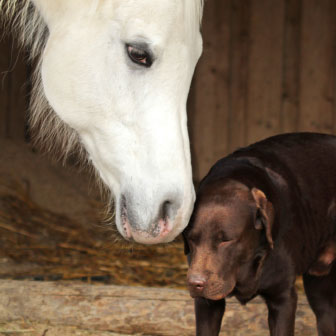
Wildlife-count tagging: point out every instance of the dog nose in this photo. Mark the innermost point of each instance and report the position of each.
(197, 282)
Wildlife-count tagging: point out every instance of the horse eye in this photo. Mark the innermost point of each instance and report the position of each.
(139, 56)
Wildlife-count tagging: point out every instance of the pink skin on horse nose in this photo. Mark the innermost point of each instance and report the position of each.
(163, 227)
(158, 231)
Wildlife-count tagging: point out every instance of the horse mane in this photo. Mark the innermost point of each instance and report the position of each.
(48, 130)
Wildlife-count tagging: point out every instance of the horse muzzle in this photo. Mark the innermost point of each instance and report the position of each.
(141, 223)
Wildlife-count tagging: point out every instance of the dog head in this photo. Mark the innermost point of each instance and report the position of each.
(227, 239)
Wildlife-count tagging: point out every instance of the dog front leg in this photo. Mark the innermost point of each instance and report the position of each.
(209, 316)
(281, 313)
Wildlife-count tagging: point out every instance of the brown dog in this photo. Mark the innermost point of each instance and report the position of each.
(264, 215)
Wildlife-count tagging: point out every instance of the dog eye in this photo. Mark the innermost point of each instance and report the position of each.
(222, 239)
(225, 243)
(139, 56)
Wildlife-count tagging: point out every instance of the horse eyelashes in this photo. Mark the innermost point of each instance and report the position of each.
(139, 56)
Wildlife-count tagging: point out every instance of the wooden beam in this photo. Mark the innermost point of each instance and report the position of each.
(151, 311)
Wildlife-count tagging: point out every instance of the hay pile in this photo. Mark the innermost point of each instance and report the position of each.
(36, 243)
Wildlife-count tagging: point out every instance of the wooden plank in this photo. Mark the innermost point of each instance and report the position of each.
(265, 69)
(291, 67)
(317, 80)
(149, 311)
(209, 118)
(115, 308)
(240, 21)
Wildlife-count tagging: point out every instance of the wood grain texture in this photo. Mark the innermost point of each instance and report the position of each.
(265, 69)
(151, 311)
(239, 56)
(317, 80)
(210, 116)
(291, 66)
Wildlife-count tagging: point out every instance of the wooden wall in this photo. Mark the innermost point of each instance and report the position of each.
(269, 66)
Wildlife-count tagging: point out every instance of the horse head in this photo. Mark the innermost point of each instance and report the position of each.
(118, 73)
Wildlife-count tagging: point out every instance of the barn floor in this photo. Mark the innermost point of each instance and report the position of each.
(50, 229)
(38, 329)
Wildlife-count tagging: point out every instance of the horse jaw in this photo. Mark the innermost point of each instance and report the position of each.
(131, 120)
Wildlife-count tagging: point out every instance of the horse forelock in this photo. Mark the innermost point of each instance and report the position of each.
(49, 131)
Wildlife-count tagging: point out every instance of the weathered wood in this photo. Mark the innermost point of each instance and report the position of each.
(317, 82)
(291, 67)
(265, 69)
(209, 119)
(152, 311)
(119, 309)
(239, 48)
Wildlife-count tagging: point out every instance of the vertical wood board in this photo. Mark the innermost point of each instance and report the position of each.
(291, 66)
(265, 69)
(239, 50)
(209, 123)
(317, 80)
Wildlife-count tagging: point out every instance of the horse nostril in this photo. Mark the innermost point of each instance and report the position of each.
(165, 210)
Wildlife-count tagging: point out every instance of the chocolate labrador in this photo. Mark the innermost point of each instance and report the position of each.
(264, 215)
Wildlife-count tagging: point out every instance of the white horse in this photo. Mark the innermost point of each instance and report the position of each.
(113, 77)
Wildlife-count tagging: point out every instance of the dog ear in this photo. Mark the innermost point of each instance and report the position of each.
(265, 214)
